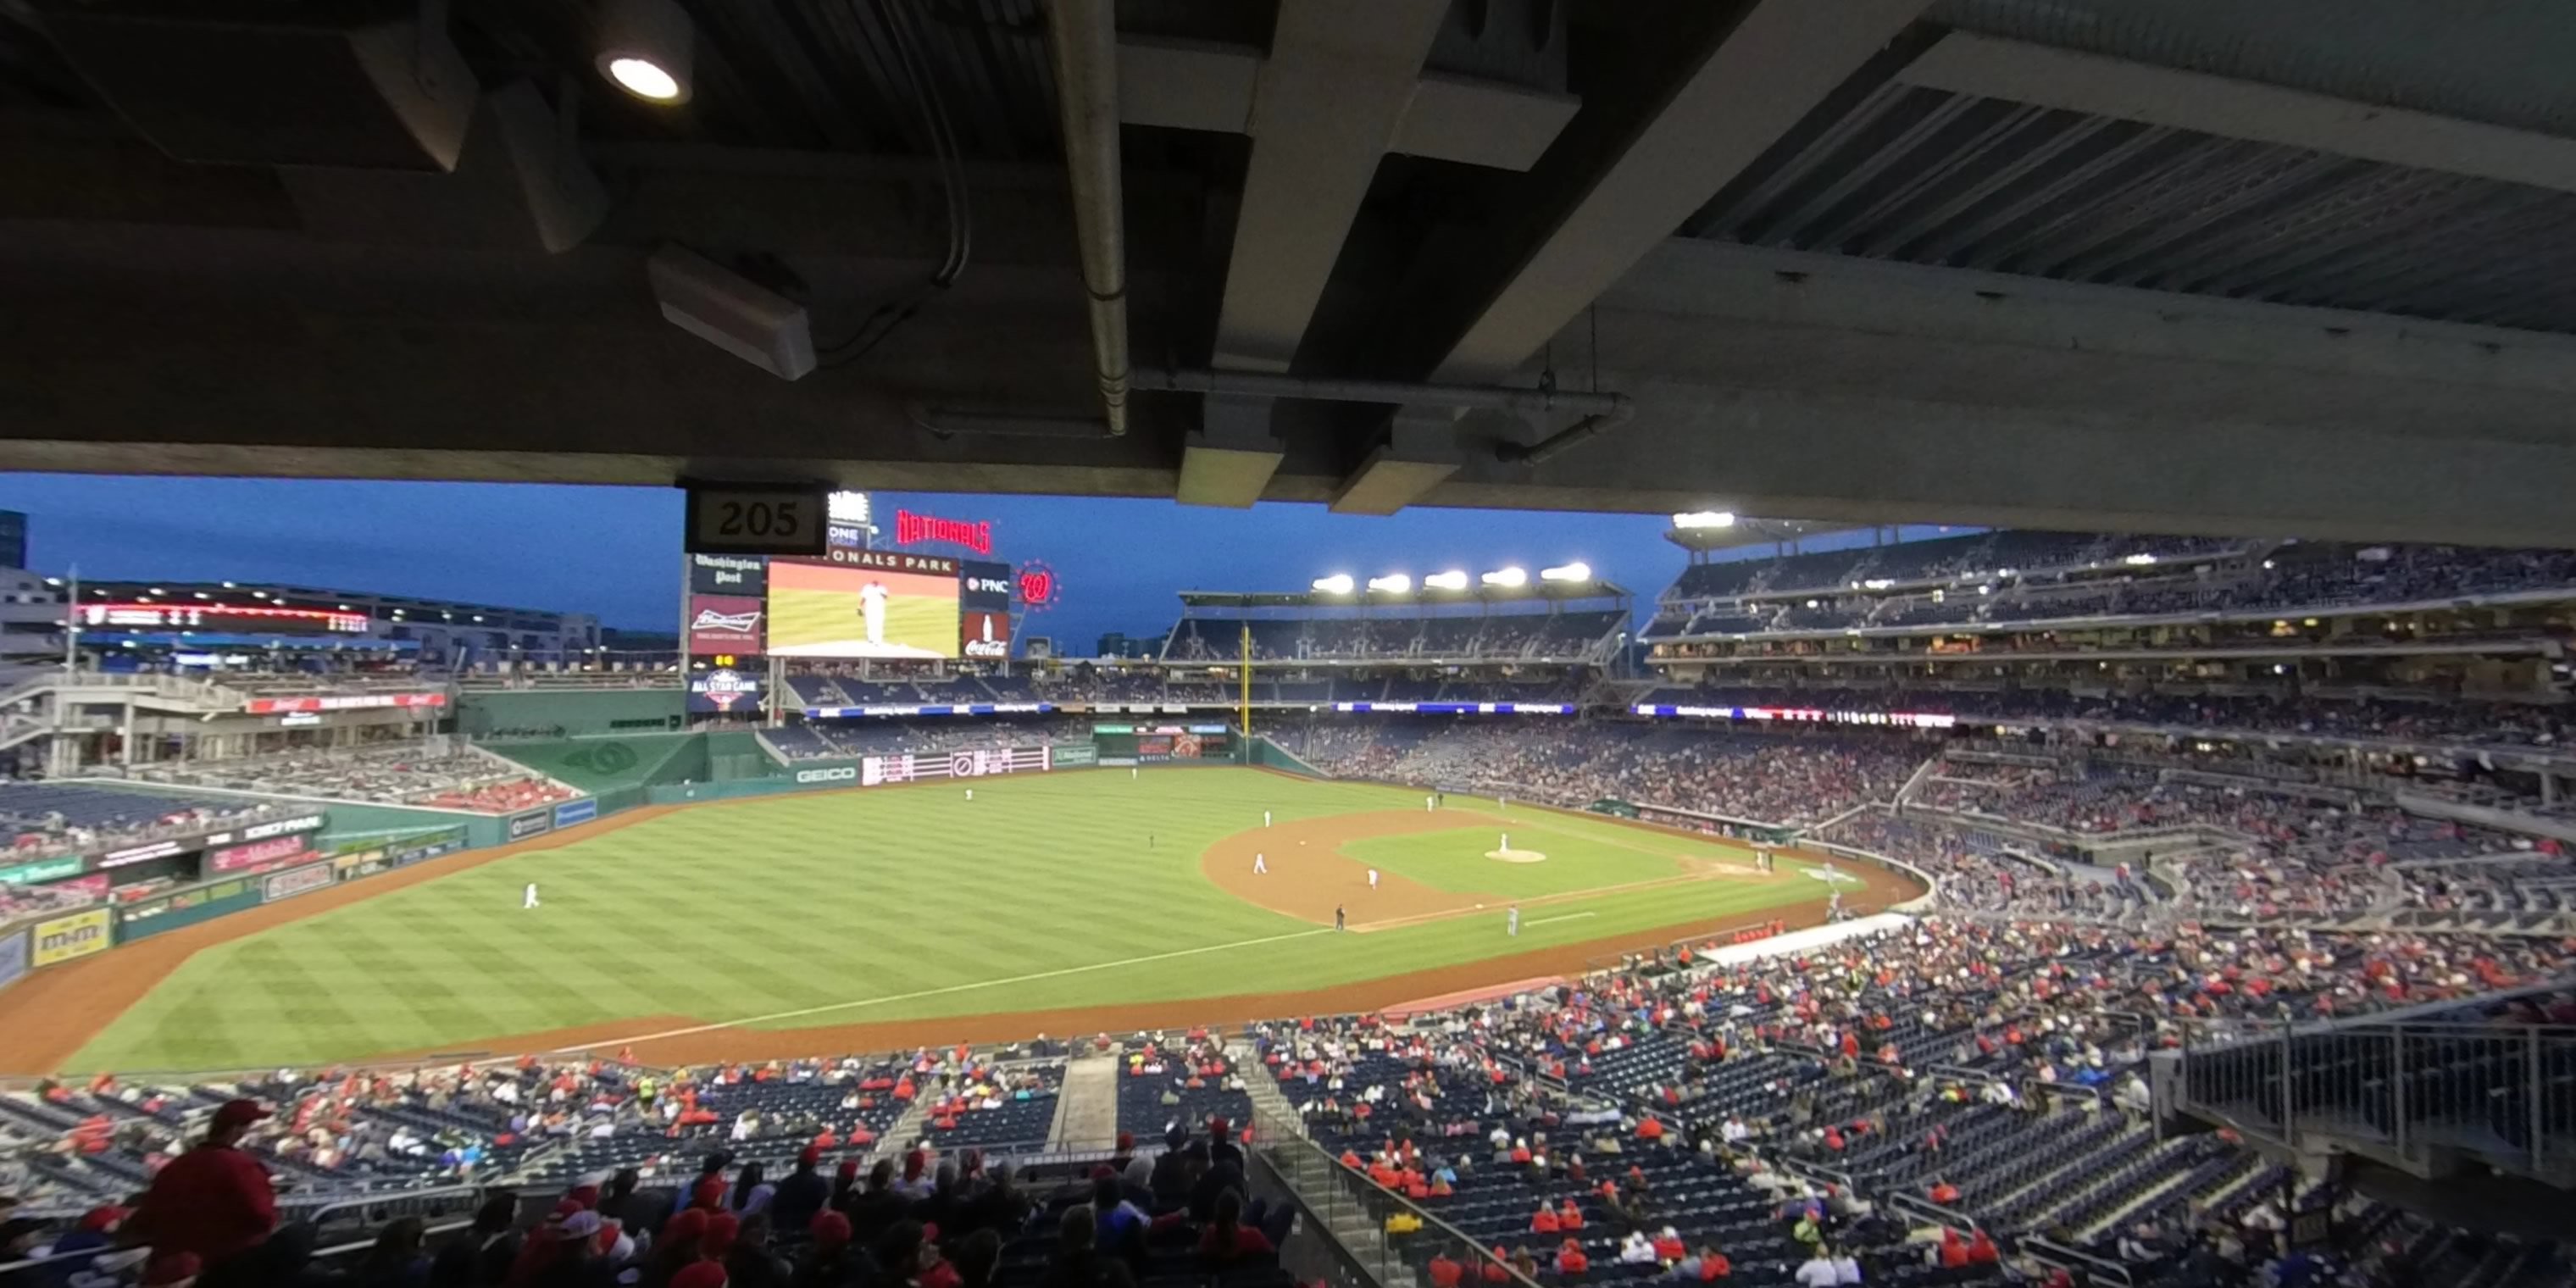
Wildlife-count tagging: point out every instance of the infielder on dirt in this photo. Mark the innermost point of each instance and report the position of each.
(1260, 866)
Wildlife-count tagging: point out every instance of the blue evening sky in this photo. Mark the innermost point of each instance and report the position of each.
(615, 551)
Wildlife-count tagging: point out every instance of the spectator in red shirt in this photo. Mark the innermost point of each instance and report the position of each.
(1570, 1260)
(1227, 1238)
(1447, 1270)
(213, 1201)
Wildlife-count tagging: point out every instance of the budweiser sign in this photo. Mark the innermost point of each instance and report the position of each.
(913, 529)
(709, 619)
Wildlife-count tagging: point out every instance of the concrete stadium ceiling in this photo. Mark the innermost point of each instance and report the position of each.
(2303, 268)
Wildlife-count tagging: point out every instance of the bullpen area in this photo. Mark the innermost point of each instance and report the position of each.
(887, 917)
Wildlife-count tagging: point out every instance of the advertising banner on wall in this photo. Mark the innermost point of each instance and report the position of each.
(984, 585)
(14, 963)
(978, 763)
(321, 702)
(295, 881)
(141, 853)
(78, 935)
(273, 827)
(54, 869)
(1073, 755)
(532, 823)
(427, 847)
(580, 811)
(725, 690)
(728, 575)
(984, 634)
(726, 624)
(275, 852)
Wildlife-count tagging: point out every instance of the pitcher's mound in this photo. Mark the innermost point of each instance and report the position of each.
(1516, 856)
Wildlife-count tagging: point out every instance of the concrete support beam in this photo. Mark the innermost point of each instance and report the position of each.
(1967, 63)
(1419, 453)
(1340, 75)
(1228, 460)
(1195, 85)
(1778, 63)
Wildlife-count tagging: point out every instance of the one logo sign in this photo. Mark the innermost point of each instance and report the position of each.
(1037, 586)
(913, 529)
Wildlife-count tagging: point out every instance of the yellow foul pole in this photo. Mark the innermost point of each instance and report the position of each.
(1243, 712)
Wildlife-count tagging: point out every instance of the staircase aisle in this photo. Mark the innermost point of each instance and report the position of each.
(1086, 1111)
(1314, 1175)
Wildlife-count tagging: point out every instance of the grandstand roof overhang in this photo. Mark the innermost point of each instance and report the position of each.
(2200, 267)
(1745, 532)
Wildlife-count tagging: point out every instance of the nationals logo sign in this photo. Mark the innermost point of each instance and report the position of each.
(1038, 588)
(912, 529)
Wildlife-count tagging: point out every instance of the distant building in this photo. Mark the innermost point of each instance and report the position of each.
(1121, 644)
(13, 539)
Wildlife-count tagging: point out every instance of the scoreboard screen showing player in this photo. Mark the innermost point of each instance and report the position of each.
(841, 610)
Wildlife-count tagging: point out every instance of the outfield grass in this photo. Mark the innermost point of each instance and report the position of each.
(1043, 892)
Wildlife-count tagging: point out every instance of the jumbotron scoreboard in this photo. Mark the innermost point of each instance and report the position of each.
(933, 591)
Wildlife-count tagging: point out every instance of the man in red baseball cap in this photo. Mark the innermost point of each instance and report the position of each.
(213, 1201)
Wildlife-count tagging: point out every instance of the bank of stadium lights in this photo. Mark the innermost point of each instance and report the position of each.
(1454, 579)
(1339, 583)
(1576, 571)
(1394, 583)
(1705, 519)
(1508, 577)
(2139, 559)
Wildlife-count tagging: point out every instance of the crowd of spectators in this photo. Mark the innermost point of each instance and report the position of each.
(1491, 636)
(1786, 778)
(2021, 577)
(435, 773)
(72, 818)
(2463, 723)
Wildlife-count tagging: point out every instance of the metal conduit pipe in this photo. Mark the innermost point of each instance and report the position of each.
(1085, 48)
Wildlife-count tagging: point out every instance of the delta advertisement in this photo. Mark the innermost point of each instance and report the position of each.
(978, 763)
(888, 606)
(78, 935)
(725, 624)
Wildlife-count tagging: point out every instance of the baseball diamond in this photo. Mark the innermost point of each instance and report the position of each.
(875, 918)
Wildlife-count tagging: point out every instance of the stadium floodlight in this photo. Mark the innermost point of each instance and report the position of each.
(2142, 557)
(1576, 571)
(1514, 576)
(1394, 583)
(1705, 519)
(1339, 583)
(646, 46)
(1454, 579)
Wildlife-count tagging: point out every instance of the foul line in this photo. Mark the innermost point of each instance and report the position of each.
(696, 1029)
(1571, 916)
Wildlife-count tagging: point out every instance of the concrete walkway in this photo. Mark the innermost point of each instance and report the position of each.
(1086, 1112)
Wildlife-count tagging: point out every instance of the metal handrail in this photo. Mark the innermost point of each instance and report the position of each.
(1291, 1135)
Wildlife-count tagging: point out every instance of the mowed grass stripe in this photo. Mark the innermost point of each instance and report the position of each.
(818, 901)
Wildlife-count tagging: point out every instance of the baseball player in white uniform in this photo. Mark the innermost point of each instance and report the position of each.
(872, 606)
(528, 898)
(1372, 878)
(1260, 866)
